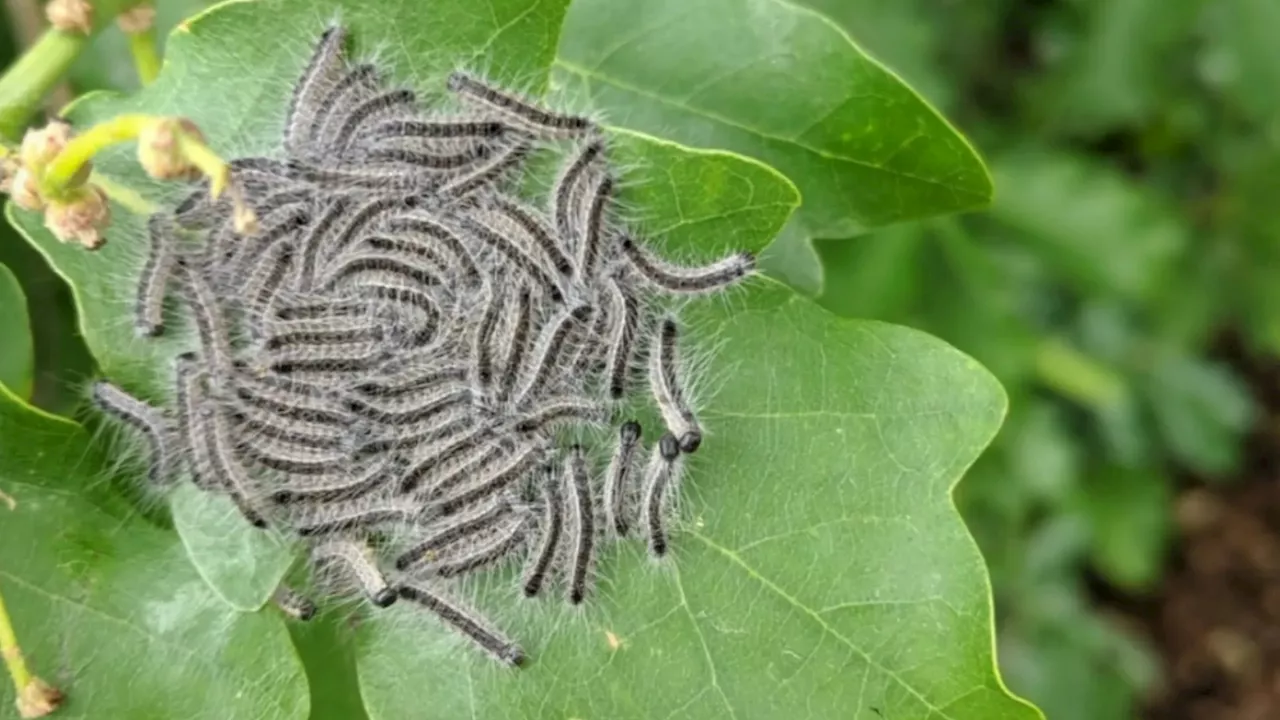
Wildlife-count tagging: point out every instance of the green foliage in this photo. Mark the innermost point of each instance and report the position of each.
(111, 604)
(1134, 154)
(820, 543)
(17, 358)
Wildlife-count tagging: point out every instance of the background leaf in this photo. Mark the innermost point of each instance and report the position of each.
(108, 608)
(17, 358)
(781, 84)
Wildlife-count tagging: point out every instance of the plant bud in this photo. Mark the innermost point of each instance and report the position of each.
(160, 151)
(25, 191)
(82, 217)
(73, 16)
(138, 19)
(41, 146)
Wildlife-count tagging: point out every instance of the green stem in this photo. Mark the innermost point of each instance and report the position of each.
(13, 659)
(63, 169)
(24, 85)
(27, 81)
(142, 46)
(1076, 375)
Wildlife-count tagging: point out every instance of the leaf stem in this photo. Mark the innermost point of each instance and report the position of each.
(13, 659)
(25, 84)
(63, 169)
(142, 46)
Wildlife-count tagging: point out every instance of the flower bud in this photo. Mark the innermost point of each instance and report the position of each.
(82, 217)
(73, 16)
(160, 150)
(41, 146)
(137, 19)
(25, 191)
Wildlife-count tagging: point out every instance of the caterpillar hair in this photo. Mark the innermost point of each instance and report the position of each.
(441, 455)
(342, 357)
(299, 432)
(489, 173)
(482, 342)
(555, 412)
(463, 468)
(552, 527)
(262, 285)
(206, 435)
(437, 129)
(566, 184)
(356, 266)
(551, 344)
(507, 541)
(362, 76)
(665, 384)
(346, 518)
(293, 604)
(546, 123)
(464, 527)
(211, 325)
(364, 179)
(280, 226)
(422, 380)
(144, 418)
(423, 225)
(323, 71)
(403, 411)
(663, 474)
(434, 163)
(359, 563)
(531, 225)
(338, 486)
(489, 640)
(154, 279)
(315, 240)
(287, 457)
(517, 343)
(360, 219)
(362, 113)
(289, 398)
(601, 194)
(582, 506)
(515, 254)
(677, 279)
(616, 488)
(498, 481)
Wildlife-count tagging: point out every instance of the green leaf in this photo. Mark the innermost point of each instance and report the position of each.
(821, 547)
(326, 645)
(1126, 63)
(780, 83)
(17, 361)
(107, 607)
(243, 565)
(1099, 230)
(1128, 511)
(904, 34)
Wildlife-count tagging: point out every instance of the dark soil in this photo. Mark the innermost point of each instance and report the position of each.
(1216, 617)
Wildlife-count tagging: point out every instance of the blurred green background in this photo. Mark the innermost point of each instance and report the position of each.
(1123, 288)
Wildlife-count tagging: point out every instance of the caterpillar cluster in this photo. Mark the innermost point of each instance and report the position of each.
(385, 365)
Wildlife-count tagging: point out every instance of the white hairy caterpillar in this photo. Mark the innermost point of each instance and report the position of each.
(387, 366)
